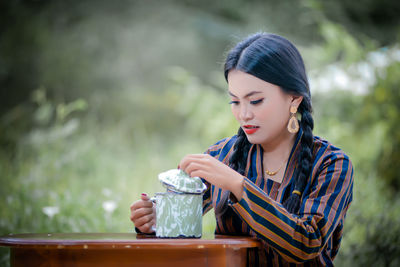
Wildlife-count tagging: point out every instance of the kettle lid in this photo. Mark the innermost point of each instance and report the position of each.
(178, 180)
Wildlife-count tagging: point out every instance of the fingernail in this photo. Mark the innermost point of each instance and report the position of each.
(179, 167)
(144, 194)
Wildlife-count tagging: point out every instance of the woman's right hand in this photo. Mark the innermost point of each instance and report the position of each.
(143, 214)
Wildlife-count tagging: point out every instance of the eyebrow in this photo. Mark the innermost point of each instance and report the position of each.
(248, 95)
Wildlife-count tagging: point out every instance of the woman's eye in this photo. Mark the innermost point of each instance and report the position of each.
(255, 102)
(234, 102)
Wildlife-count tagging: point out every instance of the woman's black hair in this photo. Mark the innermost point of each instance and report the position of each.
(275, 60)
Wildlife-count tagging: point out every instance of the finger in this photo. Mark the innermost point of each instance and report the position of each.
(143, 220)
(200, 173)
(138, 203)
(197, 156)
(141, 204)
(183, 163)
(188, 161)
(141, 212)
(201, 158)
(147, 227)
(145, 197)
(189, 158)
(193, 166)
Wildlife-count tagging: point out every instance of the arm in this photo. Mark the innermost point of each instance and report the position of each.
(298, 238)
(215, 152)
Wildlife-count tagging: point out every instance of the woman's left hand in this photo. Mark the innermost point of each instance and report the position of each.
(213, 171)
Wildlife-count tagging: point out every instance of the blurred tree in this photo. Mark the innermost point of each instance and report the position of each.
(18, 47)
(270, 15)
(382, 107)
(376, 19)
(28, 28)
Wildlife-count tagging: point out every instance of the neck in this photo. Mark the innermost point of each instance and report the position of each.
(278, 151)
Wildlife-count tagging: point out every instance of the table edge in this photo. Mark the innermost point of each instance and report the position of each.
(235, 242)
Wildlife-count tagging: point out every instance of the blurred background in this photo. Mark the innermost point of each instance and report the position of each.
(98, 97)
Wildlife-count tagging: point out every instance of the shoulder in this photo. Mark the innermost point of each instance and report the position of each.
(222, 147)
(323, 148)
(326, 154)
(332, 173)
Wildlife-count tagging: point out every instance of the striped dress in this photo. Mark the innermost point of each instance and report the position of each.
(311, 238)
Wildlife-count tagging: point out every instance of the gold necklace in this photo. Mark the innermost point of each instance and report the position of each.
(272, 173)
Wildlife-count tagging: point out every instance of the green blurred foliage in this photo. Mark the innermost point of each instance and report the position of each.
(382, 106)
(365, 19)
(98, 97)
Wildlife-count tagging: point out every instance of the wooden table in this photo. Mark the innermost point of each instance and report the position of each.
(126, 249)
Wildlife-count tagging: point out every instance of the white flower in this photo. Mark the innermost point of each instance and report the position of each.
(109, 206)
(51, 211)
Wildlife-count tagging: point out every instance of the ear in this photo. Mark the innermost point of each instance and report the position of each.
(296, 100)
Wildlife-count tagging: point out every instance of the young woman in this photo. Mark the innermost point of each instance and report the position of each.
(274, 180)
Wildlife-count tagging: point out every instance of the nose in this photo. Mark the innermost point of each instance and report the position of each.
(245, 113)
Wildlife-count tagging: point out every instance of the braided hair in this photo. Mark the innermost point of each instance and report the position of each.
(275, 60)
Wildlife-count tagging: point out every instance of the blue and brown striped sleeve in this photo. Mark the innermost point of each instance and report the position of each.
(298, 238)
(214, 151)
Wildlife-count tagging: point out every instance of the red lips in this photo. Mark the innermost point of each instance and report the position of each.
(250, 129)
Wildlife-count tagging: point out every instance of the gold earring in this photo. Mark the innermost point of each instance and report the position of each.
(293, 125)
